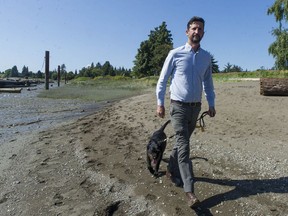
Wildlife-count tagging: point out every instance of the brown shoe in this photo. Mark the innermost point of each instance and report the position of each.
(168, 174)
(193, 201)
(177, 182)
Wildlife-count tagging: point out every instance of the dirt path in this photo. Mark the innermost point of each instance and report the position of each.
(97, 166)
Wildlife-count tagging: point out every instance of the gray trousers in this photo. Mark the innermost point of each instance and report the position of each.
(183, 119)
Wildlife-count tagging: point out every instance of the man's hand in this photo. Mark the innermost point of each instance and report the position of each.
(160, 111)
(211, 111)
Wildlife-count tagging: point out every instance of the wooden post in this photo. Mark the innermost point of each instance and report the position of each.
(47, 70)
(58, 75)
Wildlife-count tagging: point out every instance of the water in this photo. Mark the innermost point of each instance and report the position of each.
(24, 112)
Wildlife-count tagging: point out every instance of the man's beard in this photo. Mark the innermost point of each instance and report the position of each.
(196, 39)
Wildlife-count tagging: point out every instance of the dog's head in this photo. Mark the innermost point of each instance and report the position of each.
(154, 151)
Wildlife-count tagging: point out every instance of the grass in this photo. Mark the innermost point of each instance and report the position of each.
(101, 88)
(224, 77)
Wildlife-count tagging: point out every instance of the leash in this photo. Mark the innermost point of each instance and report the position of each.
(201, 125)
(201, 121)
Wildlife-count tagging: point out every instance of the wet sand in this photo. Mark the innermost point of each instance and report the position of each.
(25, 112)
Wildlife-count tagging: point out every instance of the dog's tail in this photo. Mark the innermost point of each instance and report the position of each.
(164, 126)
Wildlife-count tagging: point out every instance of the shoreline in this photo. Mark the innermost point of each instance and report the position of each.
(25, 112)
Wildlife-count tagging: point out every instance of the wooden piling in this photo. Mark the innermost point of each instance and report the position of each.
(46, 70)
(58, 75)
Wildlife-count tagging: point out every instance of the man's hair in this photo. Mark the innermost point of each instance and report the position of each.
(195, 19)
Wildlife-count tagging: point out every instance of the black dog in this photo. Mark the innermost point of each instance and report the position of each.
(155, 149)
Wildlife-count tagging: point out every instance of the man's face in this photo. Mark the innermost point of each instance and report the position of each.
(195, 32)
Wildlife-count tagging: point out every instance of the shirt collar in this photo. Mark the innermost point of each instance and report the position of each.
(188, 47)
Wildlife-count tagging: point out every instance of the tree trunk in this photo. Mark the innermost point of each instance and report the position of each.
(274, 86)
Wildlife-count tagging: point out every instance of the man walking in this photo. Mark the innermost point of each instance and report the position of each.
(190, 70)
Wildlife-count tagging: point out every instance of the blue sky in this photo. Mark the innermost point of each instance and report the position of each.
(79, 32)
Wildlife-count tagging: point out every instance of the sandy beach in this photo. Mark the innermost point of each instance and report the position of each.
(95, 163)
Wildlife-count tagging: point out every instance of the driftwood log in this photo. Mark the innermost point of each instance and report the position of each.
(10, 90)
(274, 86)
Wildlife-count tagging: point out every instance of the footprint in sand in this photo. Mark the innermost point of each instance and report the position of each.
(150, 197)
(88, 186)
(13, 156)
(58, 199)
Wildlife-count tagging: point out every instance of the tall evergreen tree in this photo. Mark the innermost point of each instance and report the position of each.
(107, 69)
(227, 68)
(152, 52)
(215, 66)
(142, 65)
(14, 72)
(63, 69)
(25, 71)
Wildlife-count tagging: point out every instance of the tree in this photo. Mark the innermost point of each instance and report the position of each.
(232, 68)
(70, 75)
(152, 52)
(107, 69)
(236, 68)
(227, 68)
(142, 65)
(62, 69)
(8, 73)
(25, 71)
(14, 72)
(280, 11)
(39, 74)
(215, 66)
(279, 48)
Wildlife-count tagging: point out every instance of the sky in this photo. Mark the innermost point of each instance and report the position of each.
(79, 32)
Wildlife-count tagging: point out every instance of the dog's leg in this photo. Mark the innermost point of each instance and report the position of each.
(156, 173)
(150, 168)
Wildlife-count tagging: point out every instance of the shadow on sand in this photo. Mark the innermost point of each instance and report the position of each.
(242, 188)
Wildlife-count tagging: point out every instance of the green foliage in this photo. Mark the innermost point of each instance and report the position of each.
(279, 48)
(81, 79)
(14, 72)
(112, 78)
(100, 88)
(280, 11)
(237, 76)
(62, 70)
(215, 67)
(54, 76)
(231, 68)
(103, 70)
(272, 74)
(25, 71)
(7, 73)
(152, 52)
(148, 81)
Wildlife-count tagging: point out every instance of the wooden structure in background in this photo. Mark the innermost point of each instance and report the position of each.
(46, 70)
(58, 76)
(274, 86)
